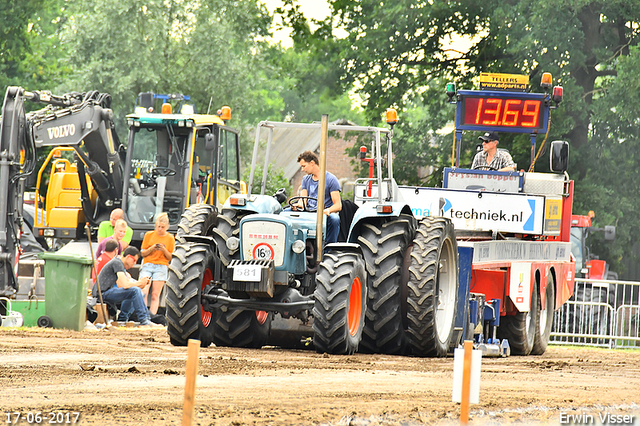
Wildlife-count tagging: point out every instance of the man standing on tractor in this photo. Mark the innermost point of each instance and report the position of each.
(491, 157)
(332, 203)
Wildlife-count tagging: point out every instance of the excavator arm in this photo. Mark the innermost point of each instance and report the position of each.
(86, 125)
(82, 121)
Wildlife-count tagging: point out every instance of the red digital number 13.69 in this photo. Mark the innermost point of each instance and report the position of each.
(507, 112)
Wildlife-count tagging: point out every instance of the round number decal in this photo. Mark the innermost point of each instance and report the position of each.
(263, 251)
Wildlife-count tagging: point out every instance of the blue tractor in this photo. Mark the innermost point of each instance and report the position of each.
(391, 288)
(233, 271)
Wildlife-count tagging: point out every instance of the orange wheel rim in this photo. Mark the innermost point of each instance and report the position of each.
(206, 315)
(261, 316)
(355, 306)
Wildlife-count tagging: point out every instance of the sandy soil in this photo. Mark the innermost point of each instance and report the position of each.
(135, 377)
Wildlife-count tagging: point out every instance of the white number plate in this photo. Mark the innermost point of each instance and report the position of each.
(246, 273)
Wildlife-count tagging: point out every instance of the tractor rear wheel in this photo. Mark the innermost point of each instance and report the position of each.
(386, 248)
(340, 303)
(545, 318)
(191, 270)
(433, 288)
(520, 329)
(242, 329)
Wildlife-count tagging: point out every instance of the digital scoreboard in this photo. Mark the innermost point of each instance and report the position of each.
(502, 111)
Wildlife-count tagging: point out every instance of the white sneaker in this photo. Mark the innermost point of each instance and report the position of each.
(88, 325)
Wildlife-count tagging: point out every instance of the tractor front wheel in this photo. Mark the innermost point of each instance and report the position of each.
(340, 303)
(242, 329)
(191, 270)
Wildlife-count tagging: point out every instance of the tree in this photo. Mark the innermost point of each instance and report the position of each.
(29, 43)
(207, 49)
(396, 53)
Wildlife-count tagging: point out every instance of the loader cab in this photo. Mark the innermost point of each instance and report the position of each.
(170, 165)
(157, 168)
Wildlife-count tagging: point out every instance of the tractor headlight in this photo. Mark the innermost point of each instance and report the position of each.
(233, 243)
(298, 246)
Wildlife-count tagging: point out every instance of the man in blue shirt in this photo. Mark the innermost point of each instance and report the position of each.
(332, 202)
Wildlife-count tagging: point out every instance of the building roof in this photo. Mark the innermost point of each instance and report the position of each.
(288, 143)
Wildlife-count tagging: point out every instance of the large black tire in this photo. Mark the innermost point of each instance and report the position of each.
(520, 329)
(228, 224)
(545, 318)
(340, 303)
(433, 288)
(386, 248)
(192, 268)
(197, 219)
(242, 329)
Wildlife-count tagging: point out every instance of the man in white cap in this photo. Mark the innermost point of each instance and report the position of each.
(491, 157)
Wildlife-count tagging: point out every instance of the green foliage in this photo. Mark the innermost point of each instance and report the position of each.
(275, 180)
(396, 54)
(30, 48)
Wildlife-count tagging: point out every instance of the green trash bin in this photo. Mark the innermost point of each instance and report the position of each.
(66, 280)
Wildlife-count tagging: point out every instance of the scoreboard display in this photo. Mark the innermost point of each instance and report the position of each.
(502, 111)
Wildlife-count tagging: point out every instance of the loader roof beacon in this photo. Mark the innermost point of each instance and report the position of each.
(516, 224)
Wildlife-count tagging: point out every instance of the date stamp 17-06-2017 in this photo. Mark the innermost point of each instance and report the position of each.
(41, 417)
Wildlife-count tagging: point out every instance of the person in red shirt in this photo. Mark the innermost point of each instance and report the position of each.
(157, 248)
(110, 251)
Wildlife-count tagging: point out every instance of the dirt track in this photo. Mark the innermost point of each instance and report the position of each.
(135, 377)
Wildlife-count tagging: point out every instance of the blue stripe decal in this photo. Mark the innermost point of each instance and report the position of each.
(528, 225)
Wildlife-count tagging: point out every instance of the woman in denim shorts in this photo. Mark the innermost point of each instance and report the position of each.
(157, 247)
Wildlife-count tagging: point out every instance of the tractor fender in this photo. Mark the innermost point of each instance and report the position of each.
(257, 204)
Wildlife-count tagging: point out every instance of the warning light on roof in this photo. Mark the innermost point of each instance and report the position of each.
(451, 90)
(392, 116)
(557, 94)
(225, 113)
(546, 80)
(363, 152)
(166, 108)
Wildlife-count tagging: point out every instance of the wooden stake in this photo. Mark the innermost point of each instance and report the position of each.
(466, 383)
(103, 306)
(193, 349)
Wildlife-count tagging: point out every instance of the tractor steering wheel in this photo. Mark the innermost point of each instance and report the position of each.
(162, 171)
(293, 203)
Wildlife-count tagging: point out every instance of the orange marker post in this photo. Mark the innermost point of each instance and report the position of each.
(466, 383)
(193, 350)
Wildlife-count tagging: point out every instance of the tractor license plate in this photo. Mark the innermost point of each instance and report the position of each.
(247, 273)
